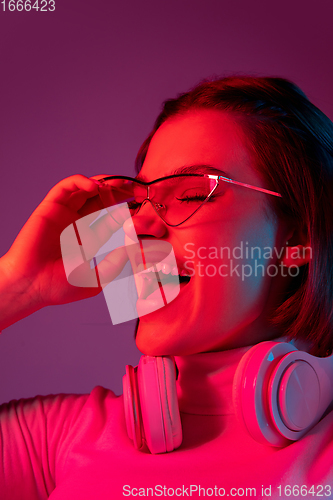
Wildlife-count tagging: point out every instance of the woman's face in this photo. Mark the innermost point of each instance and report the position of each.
(225, 304)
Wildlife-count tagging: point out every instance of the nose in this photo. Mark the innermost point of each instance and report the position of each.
(145, 223)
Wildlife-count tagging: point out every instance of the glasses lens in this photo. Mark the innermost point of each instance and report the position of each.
(116, 192)
(180, 197)
(175, 199)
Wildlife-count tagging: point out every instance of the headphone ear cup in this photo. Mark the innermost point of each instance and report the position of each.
(166, 370)
(250, 389)
(300, 392)
(157, 405)
(279, 392)
(132, 407)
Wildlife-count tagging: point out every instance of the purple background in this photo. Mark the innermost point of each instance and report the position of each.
(80, 88)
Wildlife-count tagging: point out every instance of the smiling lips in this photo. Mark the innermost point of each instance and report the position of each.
(157, 276)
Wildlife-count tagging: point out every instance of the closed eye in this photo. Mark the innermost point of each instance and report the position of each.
(197, 197)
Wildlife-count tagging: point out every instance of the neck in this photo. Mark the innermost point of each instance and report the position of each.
(205, 381)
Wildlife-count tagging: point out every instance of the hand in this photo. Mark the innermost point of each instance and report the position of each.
(34, 262)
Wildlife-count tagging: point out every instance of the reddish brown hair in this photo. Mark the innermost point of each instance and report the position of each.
(291, 141)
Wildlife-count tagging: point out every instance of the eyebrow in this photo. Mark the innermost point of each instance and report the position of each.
(192, 169)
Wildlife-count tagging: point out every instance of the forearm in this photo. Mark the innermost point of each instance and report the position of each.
(18, 298)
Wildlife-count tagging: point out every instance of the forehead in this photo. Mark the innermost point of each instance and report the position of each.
(199, 138)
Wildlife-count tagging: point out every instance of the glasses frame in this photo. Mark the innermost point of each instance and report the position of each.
(217, 178)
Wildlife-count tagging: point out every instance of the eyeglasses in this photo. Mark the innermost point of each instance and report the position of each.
(174, 198)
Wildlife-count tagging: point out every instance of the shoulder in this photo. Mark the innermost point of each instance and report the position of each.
(57, 413)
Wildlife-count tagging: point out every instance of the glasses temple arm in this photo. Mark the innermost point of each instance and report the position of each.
(262, 190)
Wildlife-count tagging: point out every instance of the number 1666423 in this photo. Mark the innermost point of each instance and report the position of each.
(28, 5)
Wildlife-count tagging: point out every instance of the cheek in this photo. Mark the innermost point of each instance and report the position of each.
(232, 265)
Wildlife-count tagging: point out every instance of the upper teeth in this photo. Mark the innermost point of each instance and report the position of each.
(165, 268)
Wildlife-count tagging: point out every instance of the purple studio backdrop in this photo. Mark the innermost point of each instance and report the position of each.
(80, 88)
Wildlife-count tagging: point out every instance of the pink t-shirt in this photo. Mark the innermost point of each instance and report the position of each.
(76, 447)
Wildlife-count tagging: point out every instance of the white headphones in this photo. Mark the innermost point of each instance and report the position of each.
(279, 394)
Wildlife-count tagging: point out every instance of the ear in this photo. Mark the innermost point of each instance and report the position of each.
(298, 251)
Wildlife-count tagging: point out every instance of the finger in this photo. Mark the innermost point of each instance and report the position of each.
(91, 206)
(83, 203)
(62, 192)
(95, 231)
(112, 265)
(106, 271)
(99, 176)
(115, 181)
(113, 196)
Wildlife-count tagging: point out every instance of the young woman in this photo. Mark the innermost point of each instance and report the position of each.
(257, 247)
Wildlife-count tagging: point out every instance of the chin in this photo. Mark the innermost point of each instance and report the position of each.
(151, 346)
(166, 341)
(153, 340)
